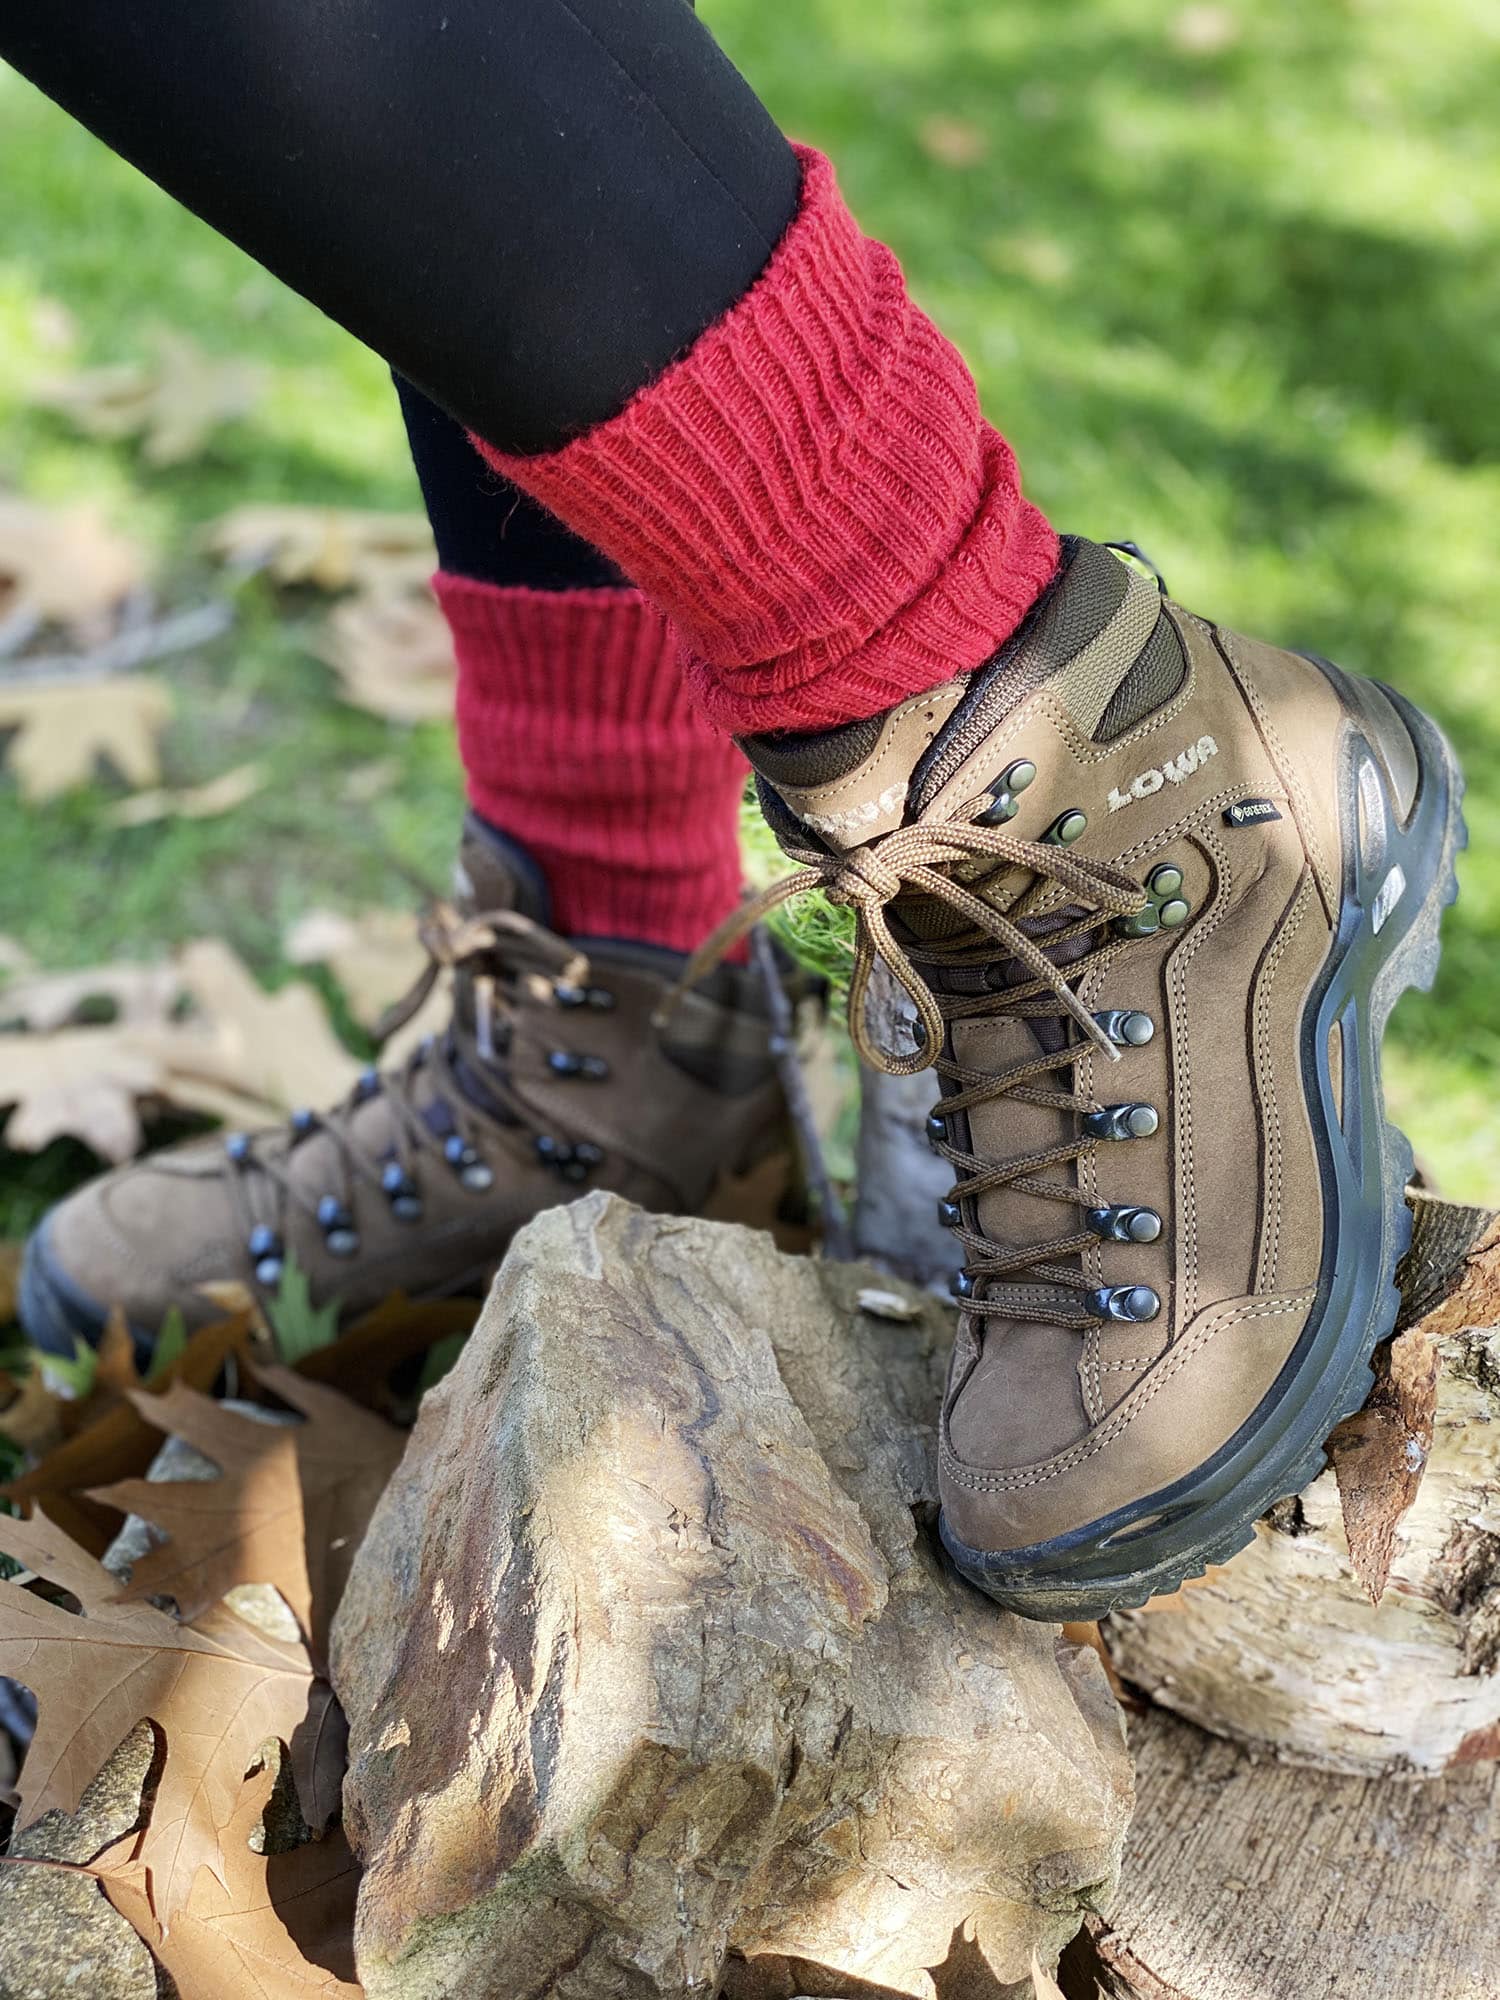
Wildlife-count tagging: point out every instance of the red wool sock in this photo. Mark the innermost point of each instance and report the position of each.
(578, 738)
(811, 494)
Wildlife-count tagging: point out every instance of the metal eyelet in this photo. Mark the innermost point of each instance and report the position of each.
(401, 1192)
(1127, 1028)
(237, 1147)
(367, 1083)
(1121, 1121)
(937, 1129)
(1004, 803)
(1133, 1303)
(267, 1254)
(1066, 828)
(1165, 909)
(601, 999)
(963, 1286)
(1120, 1224)
(949, 1214)
(302, 1121)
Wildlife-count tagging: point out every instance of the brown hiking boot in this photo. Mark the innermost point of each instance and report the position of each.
(1154, 889)
(551, 1080)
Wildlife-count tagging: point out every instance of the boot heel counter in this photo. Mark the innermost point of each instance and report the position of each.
(1380, 722)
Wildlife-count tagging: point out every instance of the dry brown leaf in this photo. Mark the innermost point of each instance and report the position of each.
(952, 142)
(375, 955)
(173, 403)
(44, 1001)
(208, 801)
(243, 1527)
(1380, 1453)
(33, 1418)
(63, 565)
(215, 1692)
(393, 654)
(361, 1361)
(330, 548)
(290, 1507)
(278, 1927)
(119, 1444)
(10, 1273)
(242, 1054)
(64, 729)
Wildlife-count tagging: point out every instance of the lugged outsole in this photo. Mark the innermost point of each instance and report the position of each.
(1413, 967)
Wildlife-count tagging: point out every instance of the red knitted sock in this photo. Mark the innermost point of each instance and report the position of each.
(811, 494)
(579, 739)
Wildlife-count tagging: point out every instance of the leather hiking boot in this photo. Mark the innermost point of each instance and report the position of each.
(551, 1080)
(1153, 889)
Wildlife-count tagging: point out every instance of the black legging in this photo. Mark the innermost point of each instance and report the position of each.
(529, 207)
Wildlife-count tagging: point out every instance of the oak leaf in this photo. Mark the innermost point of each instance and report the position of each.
(216, 1692)
(172, 403)
(239, 1053)
(329, 548)
(276, 1927)
(393, 654)
(290, 1506)
(64, 729)
(63, 565)
(120, 1444)
(210, 800)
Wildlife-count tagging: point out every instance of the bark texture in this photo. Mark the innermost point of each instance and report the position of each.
(1283, 1647)
(1245, 1880)
(654, 1676)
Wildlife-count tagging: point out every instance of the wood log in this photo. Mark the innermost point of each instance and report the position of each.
(1247, 1880)
(657, 1685)
(1283, 1647)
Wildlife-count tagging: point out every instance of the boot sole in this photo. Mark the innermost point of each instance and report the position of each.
(1156, 1544)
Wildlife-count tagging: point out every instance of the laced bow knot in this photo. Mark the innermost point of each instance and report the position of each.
(920, 858)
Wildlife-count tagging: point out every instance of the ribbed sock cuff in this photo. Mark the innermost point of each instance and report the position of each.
(579, 739)
(811, 494)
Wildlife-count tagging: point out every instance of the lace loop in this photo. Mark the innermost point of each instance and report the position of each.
(921, 860)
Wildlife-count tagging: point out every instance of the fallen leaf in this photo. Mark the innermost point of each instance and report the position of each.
(32, 1419)
(275, 1927)
(1380, 1454)
(63, 565)
(952, 142)
(44, 1001)
(243, 1527)
(208, 801)
(364, 1357)
(328, 548)
(393, 654)
(376, 956)
(238, 1053)
(120, 1444)
(172, 403)
(10, 1273)
(1204, 29)
(65, 729)
(216, 1692)
(300, 1328)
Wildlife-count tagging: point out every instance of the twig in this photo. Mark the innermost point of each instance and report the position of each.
(838, 1242)
(131, 647)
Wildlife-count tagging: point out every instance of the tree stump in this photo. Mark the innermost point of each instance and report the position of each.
(656, 1683)
(1248, 1880)
(1283, 1648)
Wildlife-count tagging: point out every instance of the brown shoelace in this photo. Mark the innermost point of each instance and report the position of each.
(918, 860)
(506, 959)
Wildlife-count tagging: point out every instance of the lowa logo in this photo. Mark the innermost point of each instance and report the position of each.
(1173, 772)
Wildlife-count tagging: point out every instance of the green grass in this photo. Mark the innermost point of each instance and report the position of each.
(1236, 302)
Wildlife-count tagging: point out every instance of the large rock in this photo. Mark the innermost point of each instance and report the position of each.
(654, 1678)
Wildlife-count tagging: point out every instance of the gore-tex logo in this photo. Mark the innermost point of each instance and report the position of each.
(1173, 772)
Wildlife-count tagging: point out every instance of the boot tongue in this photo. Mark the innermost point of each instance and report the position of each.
(1097, 634)
(495, 873)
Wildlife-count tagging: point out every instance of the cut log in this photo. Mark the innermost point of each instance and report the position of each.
(1246, 1880)
(656, 1683)
(1282, 1647)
